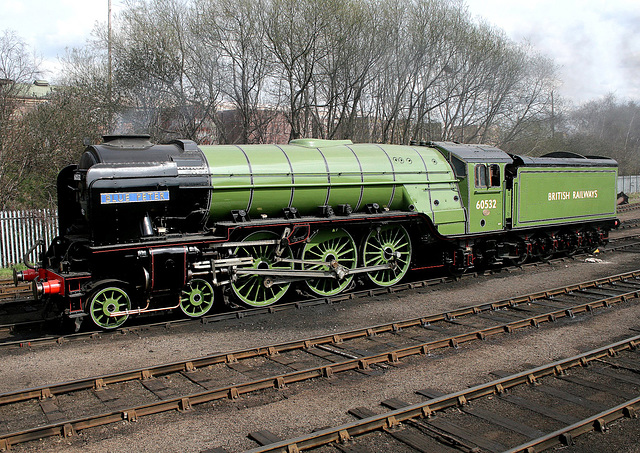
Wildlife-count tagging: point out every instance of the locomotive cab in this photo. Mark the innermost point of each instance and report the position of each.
(481, 172)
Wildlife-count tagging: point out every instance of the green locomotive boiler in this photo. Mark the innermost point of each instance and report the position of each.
(147, 227)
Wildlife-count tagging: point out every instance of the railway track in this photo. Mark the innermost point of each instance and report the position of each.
(20, 334)
(628, 207)
(629, 224)
(528, 411)
(9, 292)
(65, 408)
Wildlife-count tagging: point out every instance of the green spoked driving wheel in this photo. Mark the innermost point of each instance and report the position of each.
(109, 300)
(259, 290)
(196, 298)
(330, 246)
(389, 244)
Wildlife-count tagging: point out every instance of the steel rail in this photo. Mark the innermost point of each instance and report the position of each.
(336, 338)
(9, 292)
(236, 314)
(595, 422)
(630, 223)
(425, 409)
(185, 402)
(628, 207)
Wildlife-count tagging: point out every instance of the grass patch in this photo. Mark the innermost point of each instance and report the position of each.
(7, 272)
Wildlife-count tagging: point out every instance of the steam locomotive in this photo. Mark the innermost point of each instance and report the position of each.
(149, 227)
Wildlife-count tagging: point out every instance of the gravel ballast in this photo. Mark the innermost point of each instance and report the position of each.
(312, 405)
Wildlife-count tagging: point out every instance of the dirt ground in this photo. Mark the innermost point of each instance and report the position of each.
(311, 405)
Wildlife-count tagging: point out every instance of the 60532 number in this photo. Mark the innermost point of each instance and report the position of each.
(486, 204)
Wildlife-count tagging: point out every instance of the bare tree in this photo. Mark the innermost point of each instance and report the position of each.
(354, 45)
(85, 74)
(369, 70)
(235, 30)
(530, 102)
(433, 27)
(376, 70)
(608, 127)
(170, 80)
(17, 69)
(293, 35)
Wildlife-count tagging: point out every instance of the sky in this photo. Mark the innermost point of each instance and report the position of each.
(595, 43)
(49, 27)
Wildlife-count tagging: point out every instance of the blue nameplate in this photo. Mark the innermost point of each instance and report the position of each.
(134, 197)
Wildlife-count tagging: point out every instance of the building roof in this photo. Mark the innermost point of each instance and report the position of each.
(37, 90)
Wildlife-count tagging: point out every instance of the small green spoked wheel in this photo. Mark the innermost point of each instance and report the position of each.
(109, 300)
(327, 246)
(258, 290)
(196, 298)
(384, 245)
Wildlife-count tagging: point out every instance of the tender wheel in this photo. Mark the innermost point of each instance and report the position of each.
(591, 240)
(571, 243)
(543, 247)
(258, 290)
(197, 298)
(105, 301)
(518, 252)
(330, 246)
(387, 244)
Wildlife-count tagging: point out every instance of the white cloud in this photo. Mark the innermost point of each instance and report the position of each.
(51, 27)
(594, 42)
(13, 7)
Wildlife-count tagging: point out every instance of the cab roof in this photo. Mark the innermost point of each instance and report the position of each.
(473, 153)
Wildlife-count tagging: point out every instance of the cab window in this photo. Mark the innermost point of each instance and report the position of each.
(481, 175)
(487, 176)
(494, 175)
(459, 167)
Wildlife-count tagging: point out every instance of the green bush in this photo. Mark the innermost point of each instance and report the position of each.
(7, 272)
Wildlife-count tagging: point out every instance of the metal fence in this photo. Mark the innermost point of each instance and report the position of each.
(19, 231)
(629, 184)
